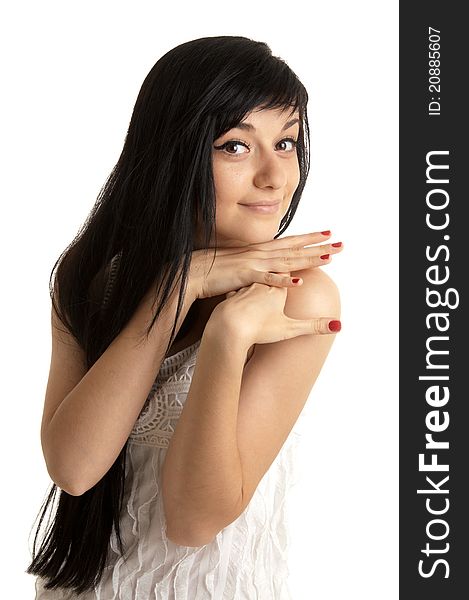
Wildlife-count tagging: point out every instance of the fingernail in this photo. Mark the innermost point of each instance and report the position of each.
(295, 279)
(335, 325)
(337, 244)
(326, 232)
(324, 256)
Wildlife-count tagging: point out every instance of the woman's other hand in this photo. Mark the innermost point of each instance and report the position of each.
(256, 314)
(267, 263)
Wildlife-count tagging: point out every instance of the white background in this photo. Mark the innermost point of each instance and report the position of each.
(71, 74)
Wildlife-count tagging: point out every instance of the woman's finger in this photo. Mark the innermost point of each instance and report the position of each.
(317, 326)
(277, 279)
(302, 259)
(292, 253)
(293, 241)
(290, 241)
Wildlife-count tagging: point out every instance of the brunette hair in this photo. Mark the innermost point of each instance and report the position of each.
(145, 215)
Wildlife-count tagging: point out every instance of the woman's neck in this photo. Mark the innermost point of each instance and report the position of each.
(203, 308)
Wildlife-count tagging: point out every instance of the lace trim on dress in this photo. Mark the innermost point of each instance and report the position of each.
(157, 420)
(171, 363)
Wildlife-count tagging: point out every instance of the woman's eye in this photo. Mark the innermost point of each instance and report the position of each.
(291, 140)
(235, 143)
(232, 144)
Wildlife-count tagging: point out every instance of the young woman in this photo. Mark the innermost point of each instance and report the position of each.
(186, 338)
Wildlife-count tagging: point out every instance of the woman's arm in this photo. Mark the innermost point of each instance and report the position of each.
(236, 420)
(83, 431)
(201, 476)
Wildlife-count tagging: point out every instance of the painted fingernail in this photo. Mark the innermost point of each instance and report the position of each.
(335, 325)
(295, 279)
(337, 244)
(326, 232)
(324, 256)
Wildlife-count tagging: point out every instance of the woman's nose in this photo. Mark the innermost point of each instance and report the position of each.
(269, 173)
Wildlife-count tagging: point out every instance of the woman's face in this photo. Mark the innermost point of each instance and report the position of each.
(253, 163)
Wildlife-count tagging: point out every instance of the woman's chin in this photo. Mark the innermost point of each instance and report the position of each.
(264, 234)
(239, 239)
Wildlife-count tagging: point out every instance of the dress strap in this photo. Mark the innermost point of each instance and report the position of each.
(111, 278)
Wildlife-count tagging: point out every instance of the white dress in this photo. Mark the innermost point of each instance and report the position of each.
(246, 561)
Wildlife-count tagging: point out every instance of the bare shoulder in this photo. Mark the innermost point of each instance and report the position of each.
(317, 296)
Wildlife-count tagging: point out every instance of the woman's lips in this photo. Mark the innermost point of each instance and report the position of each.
(263, 209)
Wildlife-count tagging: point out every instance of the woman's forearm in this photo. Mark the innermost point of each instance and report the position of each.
(93, 422)
(202, 476)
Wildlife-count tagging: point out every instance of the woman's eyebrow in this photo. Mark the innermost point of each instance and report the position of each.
(249, 127)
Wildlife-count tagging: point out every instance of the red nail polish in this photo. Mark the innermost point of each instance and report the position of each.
(295, 279)
(326, 232)
(337, 244)
(335, 325)
(324, 256)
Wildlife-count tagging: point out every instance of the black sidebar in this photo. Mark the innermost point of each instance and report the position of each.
(434, 320)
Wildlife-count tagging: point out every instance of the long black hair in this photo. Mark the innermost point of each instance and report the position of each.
(145, 214)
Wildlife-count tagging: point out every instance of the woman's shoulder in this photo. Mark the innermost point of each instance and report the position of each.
(317, 286)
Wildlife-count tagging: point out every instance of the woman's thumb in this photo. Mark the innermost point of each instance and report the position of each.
(319, 325)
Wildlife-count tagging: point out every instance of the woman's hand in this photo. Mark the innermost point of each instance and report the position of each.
(236, 267)
(256, 314)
